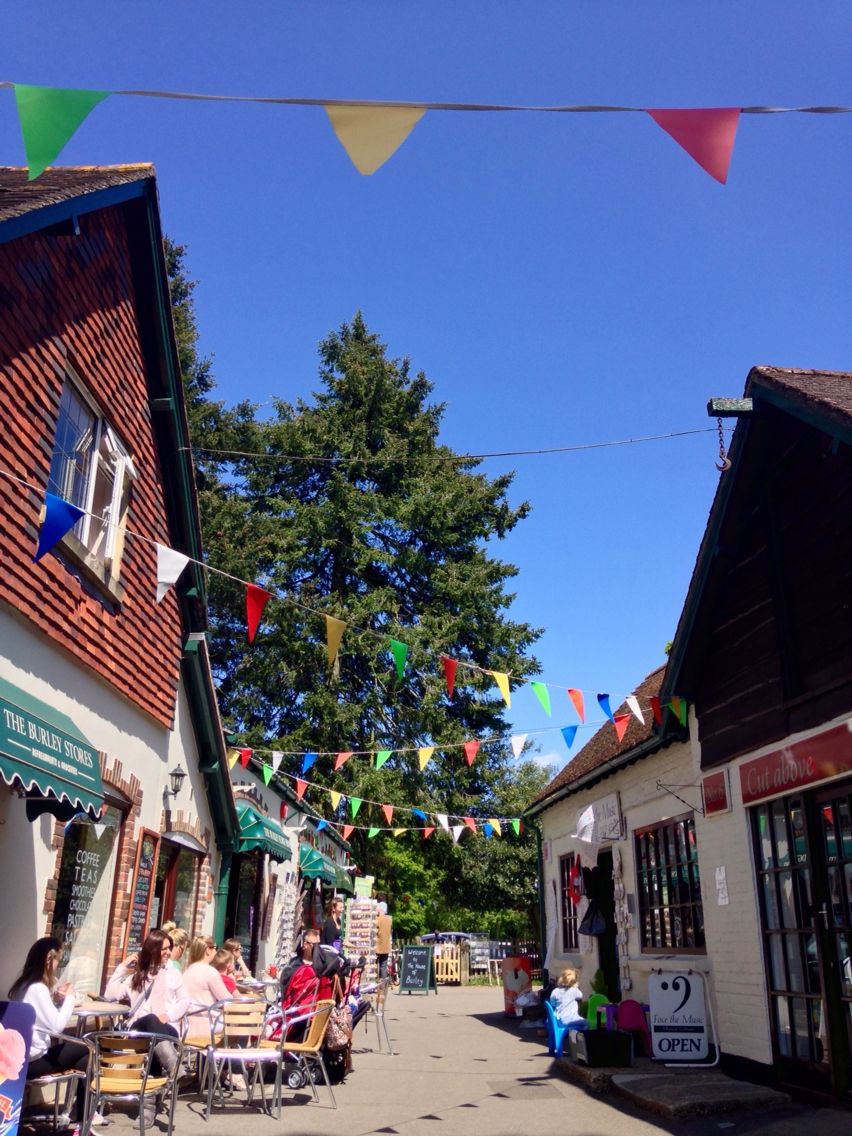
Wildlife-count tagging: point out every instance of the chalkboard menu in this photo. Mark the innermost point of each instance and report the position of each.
(142, 890)
(418, 971)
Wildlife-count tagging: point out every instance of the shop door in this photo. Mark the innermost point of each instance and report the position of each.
(607, 949)
(803, 855)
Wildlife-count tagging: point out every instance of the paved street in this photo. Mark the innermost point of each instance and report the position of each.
(461, 1068)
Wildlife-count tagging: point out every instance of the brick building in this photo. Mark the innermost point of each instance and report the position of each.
(104, 692)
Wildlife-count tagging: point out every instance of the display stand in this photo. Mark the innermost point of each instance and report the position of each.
(360, 933)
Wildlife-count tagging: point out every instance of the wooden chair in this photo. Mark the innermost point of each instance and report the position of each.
(239, 1025)
(124, 1071)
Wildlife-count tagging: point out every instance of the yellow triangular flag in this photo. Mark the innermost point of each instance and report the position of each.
(335, 798)
(495, 824)
(372, 134)
(232, 758)
(502, 681)
(399, 831)
(334, 629)
(424, 754)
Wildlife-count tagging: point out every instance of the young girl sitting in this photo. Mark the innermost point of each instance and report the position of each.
(566, 998)
(223, 961)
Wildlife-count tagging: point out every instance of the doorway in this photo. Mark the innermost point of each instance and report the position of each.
(803, 858)
(607, 945)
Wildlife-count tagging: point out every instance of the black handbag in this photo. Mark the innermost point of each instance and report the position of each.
(593, 922)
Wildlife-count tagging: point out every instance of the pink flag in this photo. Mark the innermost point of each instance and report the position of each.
(245, 757)
(427, 832)
(388, 811)
(449, 673)
(576, 697)
(470, 822)
(256, 600)
(706, 134)
(470, 749)
(342, 758)
(348, 829)
(300, 788)
(620, 722)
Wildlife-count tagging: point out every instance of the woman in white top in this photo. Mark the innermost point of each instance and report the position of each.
(203, 985)
(53, 1007)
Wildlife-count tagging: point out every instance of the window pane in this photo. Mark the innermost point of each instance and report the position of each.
(800, 1024)
(669, 887)
(829, 833)
(73, 449)
(763, 839)
(782, 1027)
(795, 968)
(770, 902)
(779, 824)
(777, 974)
(843, 821)
(788, 907)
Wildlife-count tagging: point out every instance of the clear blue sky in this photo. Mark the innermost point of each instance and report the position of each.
(561, 279)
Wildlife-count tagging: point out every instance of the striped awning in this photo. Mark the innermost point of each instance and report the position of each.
(261, 833)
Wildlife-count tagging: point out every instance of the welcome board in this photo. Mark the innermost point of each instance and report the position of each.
(418, 971)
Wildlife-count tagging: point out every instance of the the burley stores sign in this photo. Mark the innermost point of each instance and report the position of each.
(803, 763)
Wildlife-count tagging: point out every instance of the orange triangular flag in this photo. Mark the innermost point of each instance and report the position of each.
(388, 811)
(334, 629)
(427, 832)
(348, 829)
(342, 758)
(372, 134)
(707, 134)
(620, 722)
(576, 697)
(300, 788)
(470, 749)
(470, 822)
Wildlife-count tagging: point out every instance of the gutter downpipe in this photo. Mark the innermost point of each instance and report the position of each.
(542, 910)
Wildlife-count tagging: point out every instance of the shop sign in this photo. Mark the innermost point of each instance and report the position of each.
(715, 790)
(678, 1017)
(600, 821)
(825, 755)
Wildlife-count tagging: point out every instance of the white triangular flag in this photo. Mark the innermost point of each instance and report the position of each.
(518, 743)
(457, 830)
(276, 760)
(170, 564)
(633, 702)
(442, 821)
(100, 829)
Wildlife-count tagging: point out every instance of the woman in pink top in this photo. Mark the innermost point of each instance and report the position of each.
(203, 985)
(154, 989)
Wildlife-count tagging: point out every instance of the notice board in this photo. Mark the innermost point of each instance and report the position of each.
(418, 970)
(142, 889)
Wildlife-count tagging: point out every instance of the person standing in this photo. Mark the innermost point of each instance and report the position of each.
(331, 935)
(384, 933)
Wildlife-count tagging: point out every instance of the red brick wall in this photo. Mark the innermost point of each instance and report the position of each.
(67, 298)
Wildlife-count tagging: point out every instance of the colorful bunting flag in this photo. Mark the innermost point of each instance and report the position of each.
(334, 797)
(307, 762)
(381, 757)
(486, 831)
(603, 700)
(400, 654)
(569, 733)
(576, 697)
(620, 722)
(424, 754)
(655, 709)
(266, 770)
(419, 814)
(256, 600)
(449, 674)
(277, 755)
(470, 749)
(233, 758)
(399, 831)
(495, 824)
(300, 788)
(679, 706)
(348, 829)
(443, 820)
(707, 134)
(355, 804)
(516, 825)
(388, 811)
(427, 832)
(502, 681)
(342, 758)
(334, 629)
(518, 743)
(282, 811)
(633, 702)
(49, 117)
(543, 695)
(170, 564)
(371, 832)
(372, 134)
(245, 756)
(457, 830)
(470, 822)
(59, 517)
(321, 824)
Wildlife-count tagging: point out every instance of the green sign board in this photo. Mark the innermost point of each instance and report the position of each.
(418, 970)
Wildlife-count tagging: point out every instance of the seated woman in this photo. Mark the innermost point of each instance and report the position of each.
(204, 985)
(180, 941)
(53, 1007)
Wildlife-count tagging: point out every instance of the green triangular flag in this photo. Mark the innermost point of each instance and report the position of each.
(355, 802)
(516, 825)
(373, 832)
(49, 117)
(267, 773)
(381, 757)
(400, 654)
(543, 695)
(679, 705)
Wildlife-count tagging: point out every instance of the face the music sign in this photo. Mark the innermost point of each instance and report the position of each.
(678, 1017)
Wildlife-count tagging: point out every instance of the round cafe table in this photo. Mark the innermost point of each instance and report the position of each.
(92, 1008)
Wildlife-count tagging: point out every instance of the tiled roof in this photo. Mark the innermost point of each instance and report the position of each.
(829, 391)
(19, 196)
(604, 745)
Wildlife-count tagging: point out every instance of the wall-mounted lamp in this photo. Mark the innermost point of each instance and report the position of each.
(176, 777)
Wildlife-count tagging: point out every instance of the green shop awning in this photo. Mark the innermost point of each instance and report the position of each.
(344, 880)
(258, 832)
(315, 866)
(45, 753)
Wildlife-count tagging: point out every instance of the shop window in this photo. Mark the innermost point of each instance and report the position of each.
(91, 469)
(570, 938)
(669, 887)
(176, 887)
(83, 896)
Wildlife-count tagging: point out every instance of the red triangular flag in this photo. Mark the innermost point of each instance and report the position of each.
(245, 757)
(300, 788)
(388, 811)
(620, 722)
(449, 674)
(574, 876)
(576, 697)
(655, 707)
(256, 600)
(427, 832)
(470, 822)
(470, 749)
(707, 135)
(342, 758)
(348, 829)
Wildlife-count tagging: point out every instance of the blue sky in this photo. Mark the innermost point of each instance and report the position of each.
(561, 279)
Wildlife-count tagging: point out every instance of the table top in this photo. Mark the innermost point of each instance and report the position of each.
(97, 1008)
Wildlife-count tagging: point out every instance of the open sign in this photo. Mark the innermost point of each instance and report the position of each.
(678, 1016)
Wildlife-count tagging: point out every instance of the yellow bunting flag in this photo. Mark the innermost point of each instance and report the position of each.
(335, 798)
(399, 831)
(233, 757)
(502, 681)
(424, 754)
(372, 134)
(334, 629)
(495, 824)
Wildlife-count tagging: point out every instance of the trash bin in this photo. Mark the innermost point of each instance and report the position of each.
(517, 978)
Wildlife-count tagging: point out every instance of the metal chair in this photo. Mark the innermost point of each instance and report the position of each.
(239, 1027)
(377, 1006)
(68, 1078)
(123, 1071)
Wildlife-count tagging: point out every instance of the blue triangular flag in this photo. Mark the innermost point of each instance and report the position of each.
(569, 733)
(321, 824)
(487, 830)
(307, 762)
(59, 517)
(419, 813)
(603, 699)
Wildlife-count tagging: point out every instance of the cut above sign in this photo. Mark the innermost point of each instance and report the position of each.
(803, 763)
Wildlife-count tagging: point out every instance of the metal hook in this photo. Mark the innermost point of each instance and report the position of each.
(724, 463)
